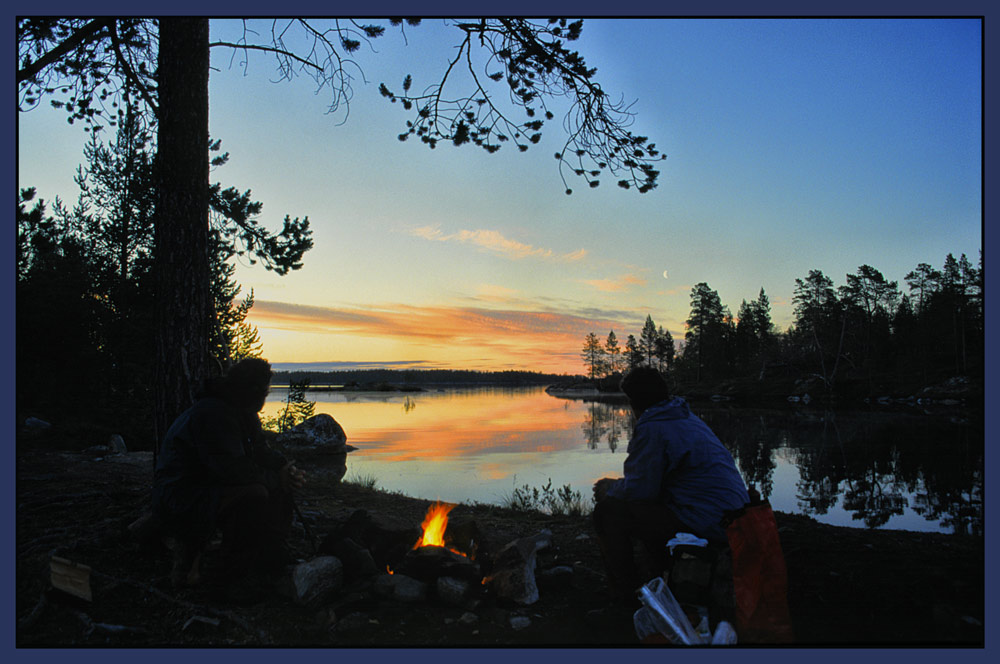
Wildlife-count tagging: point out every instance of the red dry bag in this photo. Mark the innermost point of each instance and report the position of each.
(760, 582)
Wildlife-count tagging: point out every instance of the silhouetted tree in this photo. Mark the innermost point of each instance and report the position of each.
(664, 350)
(297, 408)
(613, 353)
(633, 354)
(705, 338)
(56, 306)
(593, 356)
(820, 324)
(88, 63)
(647, 341)
(869, 301)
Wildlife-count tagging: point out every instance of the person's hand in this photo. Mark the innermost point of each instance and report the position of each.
(601, 487)
(292, 477)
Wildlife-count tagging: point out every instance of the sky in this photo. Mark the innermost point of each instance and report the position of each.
(792, 145)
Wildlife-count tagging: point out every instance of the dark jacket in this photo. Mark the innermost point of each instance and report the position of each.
(675, 458)
(211, 445)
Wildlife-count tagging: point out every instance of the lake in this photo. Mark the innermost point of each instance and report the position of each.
(905, 470)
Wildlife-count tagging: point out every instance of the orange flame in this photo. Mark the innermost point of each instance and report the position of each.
(434, 525)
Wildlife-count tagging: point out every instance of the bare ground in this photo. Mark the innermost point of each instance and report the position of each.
(847, 586)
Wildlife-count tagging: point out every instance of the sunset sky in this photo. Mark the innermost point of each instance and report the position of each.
(792, 145)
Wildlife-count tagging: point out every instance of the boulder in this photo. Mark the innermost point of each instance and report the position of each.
(316, 580)
(35, 424)
(451, 590)
(117, 444)
(513, 577)
(321, 432)
(400, 587)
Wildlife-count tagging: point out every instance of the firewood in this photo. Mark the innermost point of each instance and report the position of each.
(70, 577)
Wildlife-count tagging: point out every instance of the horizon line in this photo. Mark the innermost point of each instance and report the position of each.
(399, 365)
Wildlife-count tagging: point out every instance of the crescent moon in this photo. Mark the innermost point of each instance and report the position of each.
(665, 276)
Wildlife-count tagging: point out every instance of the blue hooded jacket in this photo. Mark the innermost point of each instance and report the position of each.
(674, 457)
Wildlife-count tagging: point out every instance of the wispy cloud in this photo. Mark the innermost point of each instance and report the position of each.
(507, 338)
(495, 293)
(495, 242)
(616, 285)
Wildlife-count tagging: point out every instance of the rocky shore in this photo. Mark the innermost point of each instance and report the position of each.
(848, 587)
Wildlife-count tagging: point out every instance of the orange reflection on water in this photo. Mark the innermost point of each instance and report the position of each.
(437, 425)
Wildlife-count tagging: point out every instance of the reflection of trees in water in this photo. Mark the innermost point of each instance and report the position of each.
(607, 423)
(953, 486)
(878, 464)
(875, 459)
(752, 440)
(936, 461)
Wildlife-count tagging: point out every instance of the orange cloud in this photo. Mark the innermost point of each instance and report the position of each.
(622, 283)
(501, 338)
(495, 242)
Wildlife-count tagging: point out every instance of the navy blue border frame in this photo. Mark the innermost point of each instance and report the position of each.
(586, 8)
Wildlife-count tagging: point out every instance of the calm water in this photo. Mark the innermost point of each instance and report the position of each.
(909, 471)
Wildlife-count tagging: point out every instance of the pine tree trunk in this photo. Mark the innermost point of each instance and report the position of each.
(184, 304)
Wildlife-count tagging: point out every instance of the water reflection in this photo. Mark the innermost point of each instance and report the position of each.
(879, 464)
(870, 469)
(607, 424)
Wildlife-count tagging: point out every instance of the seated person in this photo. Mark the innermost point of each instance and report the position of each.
(215, 472)
(678, 478)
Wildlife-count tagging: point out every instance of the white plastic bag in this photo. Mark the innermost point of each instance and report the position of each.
(663, 614)
(724, 635)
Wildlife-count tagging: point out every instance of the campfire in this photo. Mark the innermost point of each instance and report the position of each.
(444, 559)
(434, 526)
(439, 552)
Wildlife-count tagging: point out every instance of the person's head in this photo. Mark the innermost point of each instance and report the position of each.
(644, 387)
(248, 382)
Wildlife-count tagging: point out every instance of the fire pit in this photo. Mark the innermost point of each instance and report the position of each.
(436, 554)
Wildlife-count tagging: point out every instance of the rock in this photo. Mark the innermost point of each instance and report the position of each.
(357, 560)
(468, 618)
(386, 538)
(384, 585)
(451, 590)
(316, 580)
(35, 424)
(407, 589)
(519, 622)
(320, 431)
(513, 578)
(555, 578)
(117, 444)
(399, 587)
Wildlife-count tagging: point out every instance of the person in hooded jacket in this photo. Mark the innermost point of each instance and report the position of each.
(678, 477)
(215, 473)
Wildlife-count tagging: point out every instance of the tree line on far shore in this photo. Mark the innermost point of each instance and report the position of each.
(866, 332)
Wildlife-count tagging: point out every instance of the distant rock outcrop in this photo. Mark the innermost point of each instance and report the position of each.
(320, 435)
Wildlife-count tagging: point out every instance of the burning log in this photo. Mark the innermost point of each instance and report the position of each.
(427, 563)
(435, 561)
